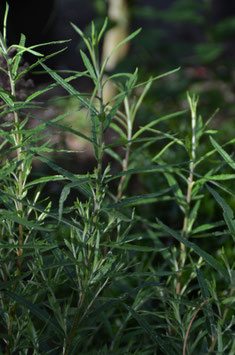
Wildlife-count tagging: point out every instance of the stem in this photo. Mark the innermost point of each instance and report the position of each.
(127, 155)
(99, 181)
(18, 203)
(101, 132)
(98, 197)
(193, 106)
(17, 138)
(193, 101)
(74, 326)
(190, 325)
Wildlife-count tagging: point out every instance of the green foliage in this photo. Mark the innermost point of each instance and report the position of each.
(95, 272)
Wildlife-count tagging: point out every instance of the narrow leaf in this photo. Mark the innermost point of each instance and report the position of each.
(5, 22)
(6, 96)
(207, 257)
(206, 295)
(25, 49)
(88, 65)
(35, 64)
(220, 177)
(133, 247)
(18, 56)
(70, 89)
(150, 331)
(45, 179)
(63, 197)
(142, 199)
(223, 153)
(159, 154)
(147, 169)
(113, 111)
(226, 208)
(103, 29)
(206, 227)
(15, 218)
(228, 213)
(36, 310)
(118, 46)
(158, 120)
(10, 284)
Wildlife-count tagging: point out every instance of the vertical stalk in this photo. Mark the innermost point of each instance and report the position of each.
(99, 88)
(18, 176)
(99, 181)
(17, 139)
(98, 195)
(101, 134)
(74, 326)
(127, 154)
(193, 107)
(17, 136)
(193, 101)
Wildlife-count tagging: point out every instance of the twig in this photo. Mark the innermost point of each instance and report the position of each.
(190, 324)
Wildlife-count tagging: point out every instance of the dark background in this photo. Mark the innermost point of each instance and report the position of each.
(168, 23)
(197, 35)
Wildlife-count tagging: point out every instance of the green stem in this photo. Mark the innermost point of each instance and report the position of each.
(17, 138)
(193, 101)
(18, 203)
(74, 326)
(98, 196)
(127, 155)
(99, 181)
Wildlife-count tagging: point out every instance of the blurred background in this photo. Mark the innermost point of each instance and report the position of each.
(197, 36)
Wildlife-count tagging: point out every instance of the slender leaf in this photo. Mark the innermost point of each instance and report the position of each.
(5, 22)
(102, 29)
(223, 153)
(18, 56)
(232, 350)
(207, 257)
(45, 179)
(228, 213)
(137, 200)
(158, 120)
(70, 89)
(8, 284)
(88, 65)
(206, 295)
(118, 46)
(23, 221)
(220, 177)
(150, 331)
(63, 197)
(147, 169)
(35, 64)
(7, 98)
(207, 226)
(25, 49)
(124, 246)
(162, 151)
(40, 313)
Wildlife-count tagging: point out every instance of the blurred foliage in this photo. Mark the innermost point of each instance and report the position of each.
(194, 35)
(198, 37)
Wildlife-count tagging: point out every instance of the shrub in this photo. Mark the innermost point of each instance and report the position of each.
(98, 275)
